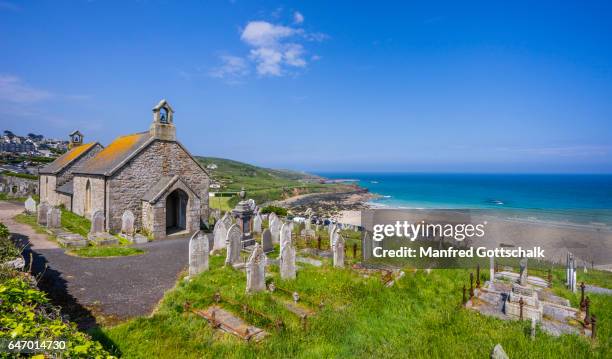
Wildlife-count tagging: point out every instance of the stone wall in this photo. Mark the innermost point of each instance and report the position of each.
(66, 200)
(130, 183)
(18, 186)
(97, 194)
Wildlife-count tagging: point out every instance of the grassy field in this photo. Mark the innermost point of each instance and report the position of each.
(419, 317)
(106, 251)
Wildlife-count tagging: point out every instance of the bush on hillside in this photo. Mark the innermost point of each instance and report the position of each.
(280, 211)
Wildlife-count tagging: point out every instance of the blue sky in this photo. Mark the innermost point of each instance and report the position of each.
(323, 86)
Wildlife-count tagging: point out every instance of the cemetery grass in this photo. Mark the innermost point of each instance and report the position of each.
(75, 223)
(419, 317)
(31, 220)
(106, 251)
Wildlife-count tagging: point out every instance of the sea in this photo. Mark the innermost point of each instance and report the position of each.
(582, 198)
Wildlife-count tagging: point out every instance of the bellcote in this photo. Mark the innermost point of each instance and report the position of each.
(76, 139)
(163, 122)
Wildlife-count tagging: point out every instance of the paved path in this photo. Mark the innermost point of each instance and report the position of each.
(119, 287)
(8, 210)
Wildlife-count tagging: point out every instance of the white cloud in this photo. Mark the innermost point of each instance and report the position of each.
(265, 34)
(274, 50)
(276, 47)
(293, 55)
(268, 61)
(298, 18)
(13, 89)
(231, 67)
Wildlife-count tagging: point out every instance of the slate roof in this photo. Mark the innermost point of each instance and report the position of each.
(116, 154)
(66, 188)
(67, 158)
(157, 190)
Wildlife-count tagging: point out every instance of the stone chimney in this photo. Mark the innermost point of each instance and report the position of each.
(163, 122)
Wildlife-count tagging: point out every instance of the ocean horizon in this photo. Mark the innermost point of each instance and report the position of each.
(564, 197)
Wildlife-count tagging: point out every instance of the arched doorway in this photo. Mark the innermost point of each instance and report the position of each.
(176, 211)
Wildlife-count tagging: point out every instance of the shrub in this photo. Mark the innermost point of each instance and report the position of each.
(8, 251)
(25, 312)
(280, 211)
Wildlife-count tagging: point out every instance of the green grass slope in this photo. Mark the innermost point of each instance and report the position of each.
(262, 184)
(419, 317)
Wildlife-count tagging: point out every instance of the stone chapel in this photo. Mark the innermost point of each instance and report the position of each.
(149, 173)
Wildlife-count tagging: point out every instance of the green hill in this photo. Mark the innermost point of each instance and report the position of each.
(262, 184)
(232, 175)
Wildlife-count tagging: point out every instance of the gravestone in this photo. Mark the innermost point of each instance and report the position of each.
(256, 270)
(275, 226)
(523, 272)
(271, 216)
(234, 245)
(257, 224)
(333, 237)
(227, 220)
(287, 262)
(266, 241)
(30, 205)
(127, 223)
(198, 253)
(285, 235)
(54, 217)
(219, 236)
(97, 222)
(308, 223)
(43, 208)
(498, 353)
(338, 251)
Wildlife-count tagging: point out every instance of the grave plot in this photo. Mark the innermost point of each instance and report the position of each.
(298, 305)
(388, 274)
(221, 316)
(518, 296)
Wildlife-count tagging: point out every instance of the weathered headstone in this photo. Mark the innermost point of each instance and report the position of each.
(30, 205)
(198, 253)
(257, 224)
(234, 245)
(275, 226)
(523, 272)
(333, 237)
(97, 222)
(43, 208)
(227, 220)
(285, 235)
(308, 223)
(54, 217)
(266, 241)
(287, 262)
(256, 270)
(219, 236)
(338, 251)
(127, 223)
(498, 353)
